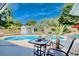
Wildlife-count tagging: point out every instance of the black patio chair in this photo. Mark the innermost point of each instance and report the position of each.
(59, 52)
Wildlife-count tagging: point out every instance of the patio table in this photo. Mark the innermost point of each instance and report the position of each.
(39, 47)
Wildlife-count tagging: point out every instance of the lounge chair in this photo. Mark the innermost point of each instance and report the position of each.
(59, 52)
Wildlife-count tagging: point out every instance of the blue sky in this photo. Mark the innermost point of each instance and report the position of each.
(36, 11)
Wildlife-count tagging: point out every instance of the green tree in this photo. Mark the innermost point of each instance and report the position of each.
(50, 21)
(39, 27)
(31, 23)
(66, 18)
(9, 19)
(3, 17)
(13, 28)
(18, 23)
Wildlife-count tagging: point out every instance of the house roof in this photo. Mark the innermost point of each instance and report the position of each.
(75, 10)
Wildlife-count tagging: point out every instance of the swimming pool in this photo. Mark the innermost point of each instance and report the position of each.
(76, 36)
(33, 37)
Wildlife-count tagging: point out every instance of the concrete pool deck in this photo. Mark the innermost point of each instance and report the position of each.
(10, 49)
(15, 48)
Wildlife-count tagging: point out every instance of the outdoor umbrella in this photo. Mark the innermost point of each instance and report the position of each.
(75, 26)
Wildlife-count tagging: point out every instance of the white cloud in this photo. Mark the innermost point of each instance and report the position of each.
(24, 16)
(43, 13)
(47, 13)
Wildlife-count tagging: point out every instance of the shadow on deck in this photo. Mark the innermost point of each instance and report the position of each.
(9, 49)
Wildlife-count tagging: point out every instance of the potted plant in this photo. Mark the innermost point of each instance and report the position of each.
(50, 34)
(58, 31)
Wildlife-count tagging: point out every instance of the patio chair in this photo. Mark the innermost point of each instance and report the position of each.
(59, 52)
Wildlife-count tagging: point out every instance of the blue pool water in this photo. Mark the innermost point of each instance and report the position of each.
(76, 36)
(29, 38)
